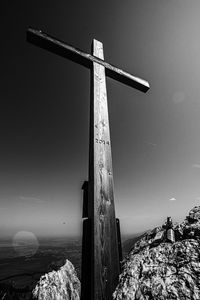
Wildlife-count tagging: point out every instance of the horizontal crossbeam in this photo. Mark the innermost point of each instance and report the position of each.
(43, 40)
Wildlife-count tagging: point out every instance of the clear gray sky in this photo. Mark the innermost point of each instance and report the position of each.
(44, 113)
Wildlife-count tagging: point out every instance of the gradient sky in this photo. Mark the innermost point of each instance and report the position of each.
(44, 113)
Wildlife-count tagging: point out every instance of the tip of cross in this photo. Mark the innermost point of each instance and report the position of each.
(146, 86)
(96, 41)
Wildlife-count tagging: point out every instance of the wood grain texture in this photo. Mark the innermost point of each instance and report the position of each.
(101, 194)
(56, 46)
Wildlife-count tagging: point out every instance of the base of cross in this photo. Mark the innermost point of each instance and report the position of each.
(88, 267)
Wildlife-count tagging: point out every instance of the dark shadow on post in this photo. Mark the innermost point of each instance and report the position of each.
(86, 261)
(119, 242)
(86, 271)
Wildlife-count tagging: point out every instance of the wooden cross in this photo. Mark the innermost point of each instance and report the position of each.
(100, 241)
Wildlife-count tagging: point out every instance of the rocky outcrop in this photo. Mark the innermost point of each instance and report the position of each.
(164, 271)
(56, 285)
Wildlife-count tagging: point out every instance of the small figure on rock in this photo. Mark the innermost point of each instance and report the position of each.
(170, 236)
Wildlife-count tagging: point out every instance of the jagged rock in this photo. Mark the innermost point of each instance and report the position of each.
(194, 214)
(166, 271)
(56, 285)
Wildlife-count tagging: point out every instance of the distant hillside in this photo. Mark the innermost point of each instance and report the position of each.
(160, 270)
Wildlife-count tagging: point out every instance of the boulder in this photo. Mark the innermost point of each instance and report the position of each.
(194, 214)
(59, 285)
(167, 270)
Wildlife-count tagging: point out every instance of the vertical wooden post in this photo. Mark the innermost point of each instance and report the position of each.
(101, 210)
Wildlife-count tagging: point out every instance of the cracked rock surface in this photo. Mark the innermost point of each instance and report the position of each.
(165, 271)
(59, 285)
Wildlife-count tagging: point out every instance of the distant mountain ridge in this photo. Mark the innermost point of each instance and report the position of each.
(164, 271)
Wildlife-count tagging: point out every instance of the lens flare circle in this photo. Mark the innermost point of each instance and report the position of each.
(25, 243)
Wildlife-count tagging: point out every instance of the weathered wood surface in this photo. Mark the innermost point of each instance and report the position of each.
(105, 258)
(54, 45)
